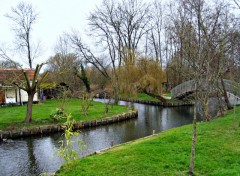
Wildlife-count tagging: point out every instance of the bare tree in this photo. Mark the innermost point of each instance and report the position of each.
(157, 31)
(86, 55)
(23, 18)
(237, 2)
(9, 64)
(31, 86)
(199, 35)
(6, 61)
(119, 28)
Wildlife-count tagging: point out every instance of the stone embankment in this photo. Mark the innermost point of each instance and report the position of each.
(47, 129)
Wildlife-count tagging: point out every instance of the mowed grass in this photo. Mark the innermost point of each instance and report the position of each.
(168, 153)
(139, 96)
(12, 117)
(143, 96)
(168, 94)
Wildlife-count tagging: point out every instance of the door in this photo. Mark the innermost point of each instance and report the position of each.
(2, 96)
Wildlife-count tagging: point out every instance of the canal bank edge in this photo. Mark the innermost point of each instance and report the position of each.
(47, 129)
(157, 103)
(149, 102)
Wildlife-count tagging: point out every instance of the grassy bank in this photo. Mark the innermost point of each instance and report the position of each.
(145, 97)
(168, 94)
(12, 117)
(139, 96)
(217, 153)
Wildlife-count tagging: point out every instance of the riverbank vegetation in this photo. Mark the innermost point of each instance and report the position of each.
(168, 153)
(139, 96)
(12, 117)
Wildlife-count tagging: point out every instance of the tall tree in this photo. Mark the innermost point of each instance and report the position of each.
(119, 27)
(23, 17)
(199, 34)
(156, 34)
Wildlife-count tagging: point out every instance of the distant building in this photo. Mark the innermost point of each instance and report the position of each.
(10, 93)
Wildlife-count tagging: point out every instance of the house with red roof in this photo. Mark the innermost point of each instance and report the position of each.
(10, 93)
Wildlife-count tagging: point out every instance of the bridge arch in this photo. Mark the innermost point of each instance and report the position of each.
(188, 87)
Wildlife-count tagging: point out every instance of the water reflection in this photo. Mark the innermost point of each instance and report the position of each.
(32, 156)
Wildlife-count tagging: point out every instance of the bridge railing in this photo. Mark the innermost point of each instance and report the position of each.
(189, 86)
(231, 86)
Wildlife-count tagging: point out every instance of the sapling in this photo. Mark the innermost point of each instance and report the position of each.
(86, 102)
(66, 150)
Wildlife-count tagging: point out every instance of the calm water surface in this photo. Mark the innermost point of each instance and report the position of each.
(36, 155)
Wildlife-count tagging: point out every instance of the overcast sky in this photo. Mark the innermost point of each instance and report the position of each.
(55, 17)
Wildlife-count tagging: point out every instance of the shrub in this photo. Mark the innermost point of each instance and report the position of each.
(58, 115)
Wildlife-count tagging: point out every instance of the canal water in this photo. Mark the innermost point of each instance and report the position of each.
(36, 155)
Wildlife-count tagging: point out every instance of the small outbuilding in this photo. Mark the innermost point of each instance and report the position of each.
(9, 92)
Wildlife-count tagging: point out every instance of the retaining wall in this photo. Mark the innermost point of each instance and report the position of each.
(47, 129)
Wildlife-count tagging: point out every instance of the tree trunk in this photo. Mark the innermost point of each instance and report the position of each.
(206, 110)
(194, 139)
(116, 93)
(229, 106)
(29, 107)
(221, 108)
(115, 87)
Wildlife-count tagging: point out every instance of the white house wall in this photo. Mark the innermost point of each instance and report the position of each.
(10, 96)
(24, 96)
(11, 93)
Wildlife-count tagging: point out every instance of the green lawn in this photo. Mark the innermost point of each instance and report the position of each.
(139, 96)
(143, 96)
(12, 117)
(217, 153)
(168, 94)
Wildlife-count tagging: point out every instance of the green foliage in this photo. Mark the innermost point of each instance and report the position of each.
(86, 102)
(83, 77)
(58, 115)
(66, 150)
(217, 153)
